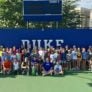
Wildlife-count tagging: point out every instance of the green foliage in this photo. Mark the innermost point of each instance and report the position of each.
(71, 17)
(11, 16)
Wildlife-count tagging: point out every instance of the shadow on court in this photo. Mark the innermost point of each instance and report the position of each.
(90, 84)
(6, 76)
(90, 79)
(66, 73)
(76, 72)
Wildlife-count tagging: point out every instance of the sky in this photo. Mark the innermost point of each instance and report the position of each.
(86, 3)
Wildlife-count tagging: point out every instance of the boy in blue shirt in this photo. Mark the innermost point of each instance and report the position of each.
(47, 67)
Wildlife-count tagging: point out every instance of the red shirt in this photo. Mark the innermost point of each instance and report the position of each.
(7, 64)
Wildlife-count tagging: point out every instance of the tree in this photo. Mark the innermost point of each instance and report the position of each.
(71, 17)
(11, 14)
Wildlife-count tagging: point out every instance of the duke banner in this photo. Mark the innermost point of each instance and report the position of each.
(46, 38)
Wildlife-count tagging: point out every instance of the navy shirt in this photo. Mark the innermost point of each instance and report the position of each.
(34, 61)
(63, 56)
(47, 66)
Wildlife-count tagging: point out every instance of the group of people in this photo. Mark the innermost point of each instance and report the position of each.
(40, 61)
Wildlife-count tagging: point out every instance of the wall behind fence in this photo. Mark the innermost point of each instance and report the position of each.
(50, 37)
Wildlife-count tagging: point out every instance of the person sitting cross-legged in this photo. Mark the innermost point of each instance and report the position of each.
(58, 69)
(47, 67)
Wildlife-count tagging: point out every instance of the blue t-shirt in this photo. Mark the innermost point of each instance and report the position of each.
(74, 55)
(84, 55)
(47, 66)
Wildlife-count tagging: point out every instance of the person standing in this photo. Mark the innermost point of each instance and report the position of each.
(68, 58)
(84, 59)
(74, 58)
(79, 59)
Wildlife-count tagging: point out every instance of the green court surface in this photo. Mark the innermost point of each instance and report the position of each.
(70, 82)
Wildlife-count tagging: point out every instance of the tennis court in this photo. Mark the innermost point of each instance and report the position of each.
(70, 82)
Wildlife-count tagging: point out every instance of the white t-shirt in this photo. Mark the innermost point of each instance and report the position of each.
(16, 66)
(58, 68)
(41, 53)
(55, 55)
(52, 57)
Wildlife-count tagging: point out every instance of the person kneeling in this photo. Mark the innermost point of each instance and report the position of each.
(25, 66)
(58, 69)
(7, 65)
(47, 67)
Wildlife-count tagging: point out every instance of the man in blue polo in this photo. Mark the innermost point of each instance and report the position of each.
(47, 67)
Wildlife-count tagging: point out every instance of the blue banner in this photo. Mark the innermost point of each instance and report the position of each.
(50, 37)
